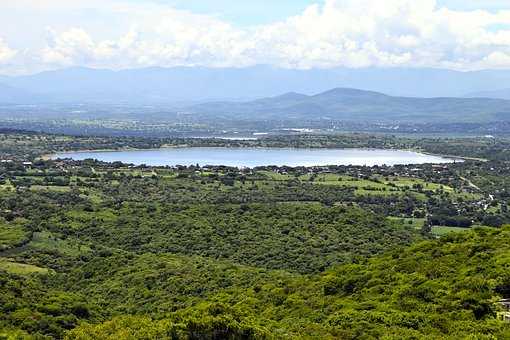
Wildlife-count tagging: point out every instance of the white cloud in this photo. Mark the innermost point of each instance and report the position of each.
(389, 33)
(6, 53)
(354, 33)
(156, 36)
(497, 59)
(67, 48)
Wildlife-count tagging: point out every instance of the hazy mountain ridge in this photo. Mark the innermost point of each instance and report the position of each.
(358, 105)
(169, 85)
(12, 95)
(355, 95)
(499, 94)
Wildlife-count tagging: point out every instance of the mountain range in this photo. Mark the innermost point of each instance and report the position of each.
(198, 84)
(11, 95)
(357, 105)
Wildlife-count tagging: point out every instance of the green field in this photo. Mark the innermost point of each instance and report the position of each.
(416, 223)
(20, 268)
(440, 230)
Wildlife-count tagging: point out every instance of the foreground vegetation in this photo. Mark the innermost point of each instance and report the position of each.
(91, 250)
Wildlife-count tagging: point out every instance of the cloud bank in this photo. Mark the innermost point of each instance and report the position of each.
(350, 33)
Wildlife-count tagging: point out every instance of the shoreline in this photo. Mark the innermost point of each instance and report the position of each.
(47, 157)
(465, 158)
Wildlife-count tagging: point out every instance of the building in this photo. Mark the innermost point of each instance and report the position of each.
(505, 314)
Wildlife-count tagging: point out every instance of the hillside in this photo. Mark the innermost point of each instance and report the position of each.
(440, 289)
(357, 105)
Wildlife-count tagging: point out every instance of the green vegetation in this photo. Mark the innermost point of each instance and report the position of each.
(91, 250)
(440, 231)
(429, 289)
(207, 327)
(12, 234)
(296, 237)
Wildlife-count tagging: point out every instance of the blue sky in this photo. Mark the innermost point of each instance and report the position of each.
(491, 5)
(246, 12)
(256, 12)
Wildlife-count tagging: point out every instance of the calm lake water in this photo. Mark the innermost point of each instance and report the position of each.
(252, 157)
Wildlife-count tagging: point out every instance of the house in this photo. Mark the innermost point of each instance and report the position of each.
(505, 314)
(505, 303)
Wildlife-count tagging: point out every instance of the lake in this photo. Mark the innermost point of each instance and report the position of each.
(252, 157)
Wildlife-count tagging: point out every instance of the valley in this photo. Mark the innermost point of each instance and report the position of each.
(93, 249)
(252, 170)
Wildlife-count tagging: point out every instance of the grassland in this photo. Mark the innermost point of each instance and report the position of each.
(377, 185)
(415, 223)
(20, 268)
(441, 230)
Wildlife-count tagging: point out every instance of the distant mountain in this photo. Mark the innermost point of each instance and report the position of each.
(498, 94)
(12, 95)
(198, 84)
(357, 106)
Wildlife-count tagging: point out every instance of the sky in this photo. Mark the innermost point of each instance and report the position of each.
(38, 35)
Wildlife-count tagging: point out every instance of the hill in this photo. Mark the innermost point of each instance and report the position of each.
(440, 289)
(357, 105)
